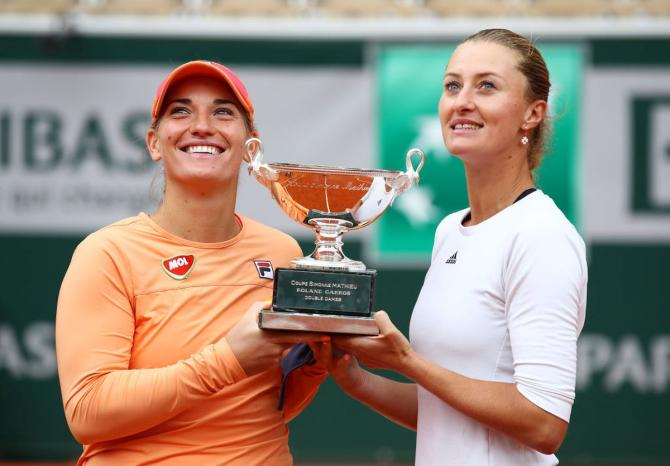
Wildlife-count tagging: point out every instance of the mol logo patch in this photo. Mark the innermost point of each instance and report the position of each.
(264, 269)
(178, 267)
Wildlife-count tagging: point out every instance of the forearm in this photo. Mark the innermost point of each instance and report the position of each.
(104, 405)
(498, 405)
(397, 401)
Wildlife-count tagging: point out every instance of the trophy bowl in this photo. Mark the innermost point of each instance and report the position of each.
(327, 291)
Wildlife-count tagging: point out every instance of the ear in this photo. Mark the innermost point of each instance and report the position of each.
(534, 115)
(152, 145)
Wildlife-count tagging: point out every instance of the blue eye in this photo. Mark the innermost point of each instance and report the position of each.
(487, 85)
(452, 86)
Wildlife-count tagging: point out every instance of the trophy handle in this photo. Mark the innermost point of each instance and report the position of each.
(411, 177)
(253, 155)
(411, 172)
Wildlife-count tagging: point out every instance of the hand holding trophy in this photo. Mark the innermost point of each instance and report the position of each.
(326, 291)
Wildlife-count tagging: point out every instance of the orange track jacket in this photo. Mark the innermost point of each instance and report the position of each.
(146, 374)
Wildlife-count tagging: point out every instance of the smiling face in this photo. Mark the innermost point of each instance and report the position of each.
(484, 110)
(200, 134)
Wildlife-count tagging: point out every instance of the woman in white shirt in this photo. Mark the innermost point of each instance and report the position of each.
(494, 330)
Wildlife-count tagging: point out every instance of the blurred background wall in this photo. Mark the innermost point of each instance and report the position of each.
(348, 83)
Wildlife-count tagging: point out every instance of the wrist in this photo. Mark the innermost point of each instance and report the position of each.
(409, 363)
(355, 386)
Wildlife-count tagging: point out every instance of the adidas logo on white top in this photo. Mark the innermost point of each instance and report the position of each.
(452, 259)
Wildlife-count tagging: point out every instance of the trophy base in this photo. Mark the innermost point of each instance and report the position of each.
(321, 323)
(322, 292)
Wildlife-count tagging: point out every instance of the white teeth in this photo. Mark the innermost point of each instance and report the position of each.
(203, 150)
(466, 126)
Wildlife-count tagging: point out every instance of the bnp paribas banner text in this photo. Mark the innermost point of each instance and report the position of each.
(72, 139)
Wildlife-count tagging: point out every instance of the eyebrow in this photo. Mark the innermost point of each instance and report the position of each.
(187, 101)
(224, 101)
(478, 75)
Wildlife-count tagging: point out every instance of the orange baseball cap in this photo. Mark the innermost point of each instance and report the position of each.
(208, 69)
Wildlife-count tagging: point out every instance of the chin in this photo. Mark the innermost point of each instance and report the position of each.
(458, 150)
(207, 178)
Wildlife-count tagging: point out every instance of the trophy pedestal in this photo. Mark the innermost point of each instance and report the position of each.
(321, 323)
(322, 301)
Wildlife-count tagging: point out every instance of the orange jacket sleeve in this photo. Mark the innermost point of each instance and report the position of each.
(302, 385)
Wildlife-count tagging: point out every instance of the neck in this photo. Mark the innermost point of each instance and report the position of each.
(494, 188)
(205, 216)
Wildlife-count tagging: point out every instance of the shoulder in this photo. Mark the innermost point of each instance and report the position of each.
(541, 238)
(541, 222)
(110, 239)
(102, 264)
(102, 256)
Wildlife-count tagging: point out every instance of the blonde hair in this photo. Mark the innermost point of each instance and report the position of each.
(532, 65)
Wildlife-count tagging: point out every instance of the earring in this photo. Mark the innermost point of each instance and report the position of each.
(524, 140)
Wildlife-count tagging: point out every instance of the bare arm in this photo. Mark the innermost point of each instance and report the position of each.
(394, 400)
(498, 405)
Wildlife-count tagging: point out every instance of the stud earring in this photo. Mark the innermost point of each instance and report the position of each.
(524, 140)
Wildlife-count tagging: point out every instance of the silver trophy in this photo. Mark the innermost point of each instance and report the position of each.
(327, 291)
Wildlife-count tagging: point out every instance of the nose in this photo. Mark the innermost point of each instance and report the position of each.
(201, 124)
(463, 100)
